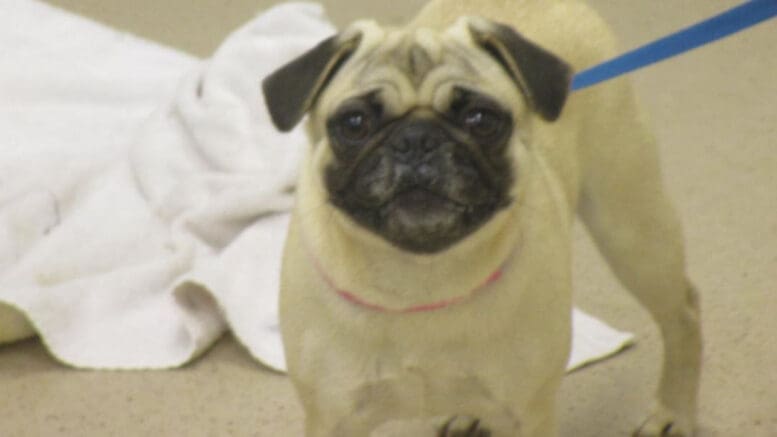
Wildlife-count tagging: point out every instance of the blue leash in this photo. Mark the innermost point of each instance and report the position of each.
(739, 18)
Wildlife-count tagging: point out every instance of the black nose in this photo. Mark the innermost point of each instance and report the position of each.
(415, 149)
(415, 141)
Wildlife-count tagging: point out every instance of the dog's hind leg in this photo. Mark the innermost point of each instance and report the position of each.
(626, 210)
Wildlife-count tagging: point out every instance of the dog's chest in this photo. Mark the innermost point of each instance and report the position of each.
(426, 386)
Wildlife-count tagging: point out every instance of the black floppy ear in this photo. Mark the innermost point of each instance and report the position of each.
(542, 76)
(290, 91)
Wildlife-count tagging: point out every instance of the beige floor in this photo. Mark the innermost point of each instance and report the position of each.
(714, 111)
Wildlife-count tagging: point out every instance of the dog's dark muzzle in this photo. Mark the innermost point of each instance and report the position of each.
(419, 185)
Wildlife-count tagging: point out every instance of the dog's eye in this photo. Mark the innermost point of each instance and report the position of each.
(483, 122)
(355, 125)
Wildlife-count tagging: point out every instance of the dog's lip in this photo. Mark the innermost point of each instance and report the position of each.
(423, 196)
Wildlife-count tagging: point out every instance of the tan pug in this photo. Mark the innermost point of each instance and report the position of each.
(427, 267)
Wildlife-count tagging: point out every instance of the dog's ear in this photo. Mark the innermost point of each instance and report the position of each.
(290, 91)
(542, 76)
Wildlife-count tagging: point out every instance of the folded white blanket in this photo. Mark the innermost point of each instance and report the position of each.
(143, 193)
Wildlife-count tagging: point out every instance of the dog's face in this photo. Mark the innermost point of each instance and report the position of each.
(419, 127)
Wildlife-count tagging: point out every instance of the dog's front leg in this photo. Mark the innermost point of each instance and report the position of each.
(355, 425)
(635, 226)
(645, 252)
(359, 410)
(473, 409)
(333, 420)
(459, 426)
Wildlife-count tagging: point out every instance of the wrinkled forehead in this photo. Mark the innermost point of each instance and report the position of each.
(415, 55)
(421, 67)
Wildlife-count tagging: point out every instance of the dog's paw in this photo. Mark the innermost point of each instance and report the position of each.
(665, 423)
(463, 427)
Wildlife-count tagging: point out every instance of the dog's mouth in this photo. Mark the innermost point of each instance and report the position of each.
(418, 219)
(421, 220)
(420, 213)
(421, 201)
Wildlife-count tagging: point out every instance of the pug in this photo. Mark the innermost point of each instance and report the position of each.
(426, 272)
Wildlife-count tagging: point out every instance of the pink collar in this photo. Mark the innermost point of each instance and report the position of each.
(421, 308)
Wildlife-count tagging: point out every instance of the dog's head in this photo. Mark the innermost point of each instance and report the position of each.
(418, 127)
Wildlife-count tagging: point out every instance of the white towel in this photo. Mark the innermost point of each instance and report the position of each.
(144, 193)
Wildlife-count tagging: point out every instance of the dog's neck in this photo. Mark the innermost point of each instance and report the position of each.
(357, 299)
(366, 270)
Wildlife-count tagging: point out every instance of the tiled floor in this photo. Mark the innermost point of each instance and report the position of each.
(714, 111)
